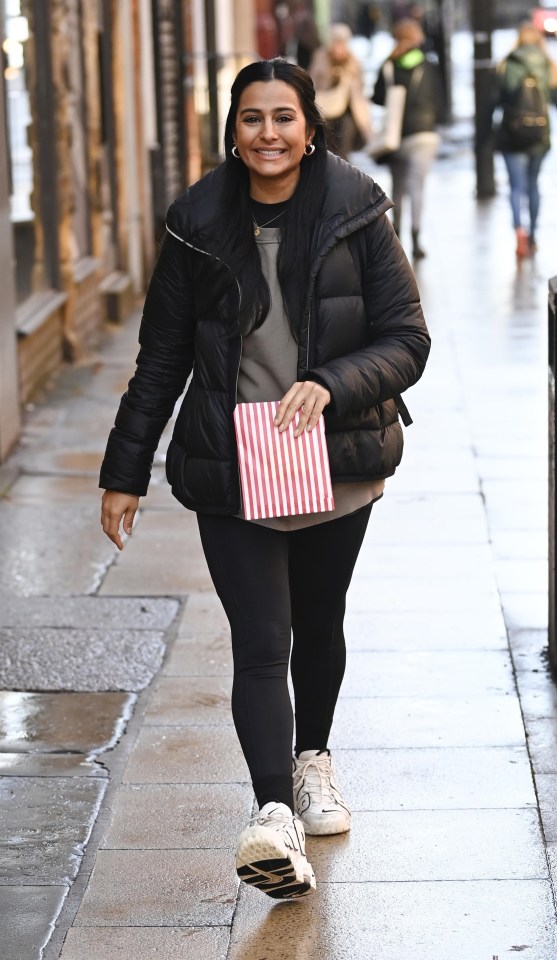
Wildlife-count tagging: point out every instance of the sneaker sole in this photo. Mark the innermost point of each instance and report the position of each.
(323, 829)
(263, 865)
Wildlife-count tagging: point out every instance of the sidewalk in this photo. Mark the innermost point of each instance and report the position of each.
(445, 736)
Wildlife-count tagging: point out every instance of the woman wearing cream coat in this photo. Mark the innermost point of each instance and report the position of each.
(338, 81)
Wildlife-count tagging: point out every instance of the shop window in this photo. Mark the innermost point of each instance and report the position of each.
(18, 121)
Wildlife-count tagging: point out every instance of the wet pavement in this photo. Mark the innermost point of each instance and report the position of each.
(123, 787)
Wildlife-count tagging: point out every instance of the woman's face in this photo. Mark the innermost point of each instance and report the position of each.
(271, 135)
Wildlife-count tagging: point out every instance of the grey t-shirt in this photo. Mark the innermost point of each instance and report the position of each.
(268, 369)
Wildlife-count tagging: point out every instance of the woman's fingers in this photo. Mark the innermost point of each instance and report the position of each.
(128, 520)
(307, 397)
(115, 508)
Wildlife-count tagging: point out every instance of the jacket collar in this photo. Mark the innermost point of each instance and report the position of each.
(351, 201)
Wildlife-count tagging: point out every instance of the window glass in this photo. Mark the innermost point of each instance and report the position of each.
(18, 119)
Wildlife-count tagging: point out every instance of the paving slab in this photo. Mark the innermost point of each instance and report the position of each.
(439, 778)
(159, 495)
(427, 525)
(69, 659)
(86, 723)
(204, 656)
(416, 845)
(186, 755)
(42, 551)
(177, 816)
(448, 594)
(513, 576)
(132, 943)
(144, 613)
(68, 457)
(420, 509)
(520, 544)
(427, 921)
(167, 888)
(498, 468)
(28, 915)
(191, 700)
(422, 562)
(552, 858)
(203, 614)
(69, 488)
(82, 660)
(432, 673)
(45, 823)
(525, 610)
(162, 557)
(542, 744)
(546, 787)
(424, 630)
(511, 504)
(538, 692)
(434, 722)
(40, 490)
(49, 765)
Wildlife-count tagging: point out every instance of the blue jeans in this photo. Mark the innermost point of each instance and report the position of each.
(523, 171)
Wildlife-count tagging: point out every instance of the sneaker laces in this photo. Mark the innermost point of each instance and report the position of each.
(274, 816)
(316, 774)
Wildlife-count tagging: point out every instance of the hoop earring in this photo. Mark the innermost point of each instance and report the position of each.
(309, 149)
(235, 155)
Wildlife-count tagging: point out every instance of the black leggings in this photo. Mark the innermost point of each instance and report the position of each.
(271, 584)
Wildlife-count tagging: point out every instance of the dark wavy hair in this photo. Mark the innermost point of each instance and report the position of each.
(298, 223)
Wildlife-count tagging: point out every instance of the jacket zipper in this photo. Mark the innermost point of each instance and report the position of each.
(207, 254)
(380, 200)
(307, 351)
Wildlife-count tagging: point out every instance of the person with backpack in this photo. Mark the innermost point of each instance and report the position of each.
(525, 87)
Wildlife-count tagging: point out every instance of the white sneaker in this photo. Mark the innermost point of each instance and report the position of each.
(318, 801)
(271, 854)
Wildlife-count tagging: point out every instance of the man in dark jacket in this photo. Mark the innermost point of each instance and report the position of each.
(424, 109)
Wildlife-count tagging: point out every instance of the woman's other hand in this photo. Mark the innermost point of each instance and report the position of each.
(309, 398)
(115, 508)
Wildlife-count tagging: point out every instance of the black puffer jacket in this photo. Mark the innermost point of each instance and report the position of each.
(363, 337)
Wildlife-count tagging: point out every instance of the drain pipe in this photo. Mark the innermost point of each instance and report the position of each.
(134, 215)
(149, 121)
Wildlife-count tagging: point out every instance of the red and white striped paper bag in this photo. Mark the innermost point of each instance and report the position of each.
(281, 475)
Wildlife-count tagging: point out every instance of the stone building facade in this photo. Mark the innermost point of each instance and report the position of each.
(104, 119)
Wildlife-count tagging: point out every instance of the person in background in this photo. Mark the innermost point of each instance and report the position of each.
(280, 278)
(528, 59)
(368, 18)
(306, 34)
(338, 79)
(424, 109)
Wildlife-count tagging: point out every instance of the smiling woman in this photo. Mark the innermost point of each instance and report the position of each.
(271, 135)
(280, 283)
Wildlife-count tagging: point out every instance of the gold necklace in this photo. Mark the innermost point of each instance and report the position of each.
(257, 227)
